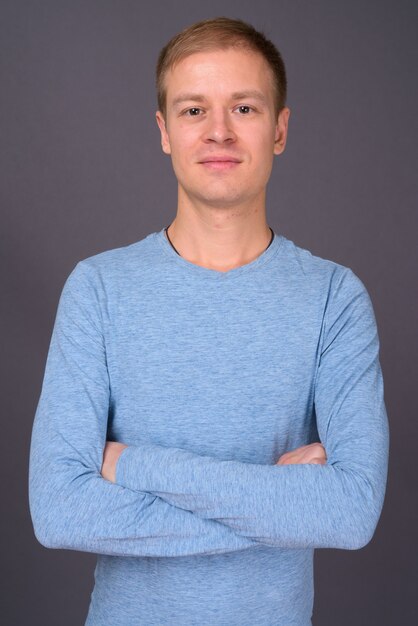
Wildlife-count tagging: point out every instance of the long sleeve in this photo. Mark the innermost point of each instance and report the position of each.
(297, 506)
(71, 504)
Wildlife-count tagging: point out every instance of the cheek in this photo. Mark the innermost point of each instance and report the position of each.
(182, 160)
(183, 150)
(259, 141)
(262, 152)
(263, 156)
(179, 138)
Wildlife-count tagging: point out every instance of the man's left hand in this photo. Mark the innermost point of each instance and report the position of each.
(312, 453)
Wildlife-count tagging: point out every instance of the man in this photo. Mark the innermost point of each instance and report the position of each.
(212, 392)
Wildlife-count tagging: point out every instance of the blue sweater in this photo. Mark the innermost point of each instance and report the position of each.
(208, 377)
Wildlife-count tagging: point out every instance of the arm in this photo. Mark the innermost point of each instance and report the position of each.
(71, 504)
(336, 505)
(311, 453)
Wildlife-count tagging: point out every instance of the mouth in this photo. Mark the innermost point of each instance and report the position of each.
(220, 163)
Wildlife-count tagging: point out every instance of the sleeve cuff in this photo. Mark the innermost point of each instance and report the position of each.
(136, 465)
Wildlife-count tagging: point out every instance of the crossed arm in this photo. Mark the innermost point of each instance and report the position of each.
(301, 503)
(171, 502)
(311, 453)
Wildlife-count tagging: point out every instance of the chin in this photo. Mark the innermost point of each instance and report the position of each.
(221, 201)
(225, 196)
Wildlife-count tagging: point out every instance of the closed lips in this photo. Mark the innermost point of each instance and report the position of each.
(219, 159)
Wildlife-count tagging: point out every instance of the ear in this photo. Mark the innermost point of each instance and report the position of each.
(280, 135)
(165, 141)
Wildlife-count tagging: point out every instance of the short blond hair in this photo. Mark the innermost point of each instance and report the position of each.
(220, 33)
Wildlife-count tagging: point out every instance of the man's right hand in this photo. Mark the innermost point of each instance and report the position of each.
(312, 453)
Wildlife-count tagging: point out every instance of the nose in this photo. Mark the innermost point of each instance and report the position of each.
(219, 127)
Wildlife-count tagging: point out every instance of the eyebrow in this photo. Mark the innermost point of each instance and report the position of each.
(184, 97)
(251, 93)
(237, 95)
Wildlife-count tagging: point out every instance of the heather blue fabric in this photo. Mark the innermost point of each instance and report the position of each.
(208, 377)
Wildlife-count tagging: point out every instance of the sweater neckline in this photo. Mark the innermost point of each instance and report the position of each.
(199, 270)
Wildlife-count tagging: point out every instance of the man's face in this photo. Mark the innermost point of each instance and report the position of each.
(220, 128)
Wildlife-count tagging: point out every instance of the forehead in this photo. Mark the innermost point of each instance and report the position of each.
(234, 70)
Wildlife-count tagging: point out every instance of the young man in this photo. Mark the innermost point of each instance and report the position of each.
(213, 392)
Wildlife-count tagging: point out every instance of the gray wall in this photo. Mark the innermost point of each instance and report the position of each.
(82, 171)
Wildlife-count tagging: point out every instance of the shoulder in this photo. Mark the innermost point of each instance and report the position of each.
(319, 271)
(122, 257)
(110, 266)
(346, 307)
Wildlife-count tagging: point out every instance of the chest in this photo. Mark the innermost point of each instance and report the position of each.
(229, 374)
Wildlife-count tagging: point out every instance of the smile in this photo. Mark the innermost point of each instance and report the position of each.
(220, 165)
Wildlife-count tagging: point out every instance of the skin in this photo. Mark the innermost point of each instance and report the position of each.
(221, 219)
(220, 103)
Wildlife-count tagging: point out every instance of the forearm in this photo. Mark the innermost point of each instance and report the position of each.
(292, 506)
(73, 507)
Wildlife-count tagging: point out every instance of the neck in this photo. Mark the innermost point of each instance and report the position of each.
(221, 246)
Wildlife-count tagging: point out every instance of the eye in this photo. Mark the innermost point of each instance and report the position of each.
(244, 108)
(193, 112)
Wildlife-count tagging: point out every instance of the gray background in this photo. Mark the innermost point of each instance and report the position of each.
(82, 171)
